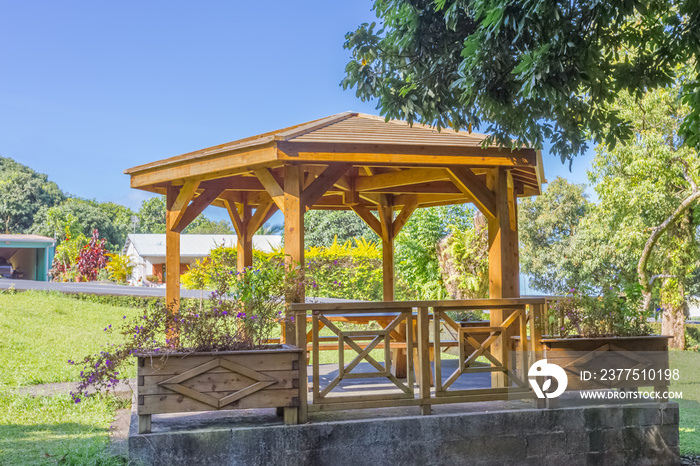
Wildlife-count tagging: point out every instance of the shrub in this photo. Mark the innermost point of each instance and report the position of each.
(92, 258)
(119, 267)
(345, 271)
(63, 268)
(610, 312)
(241, 313)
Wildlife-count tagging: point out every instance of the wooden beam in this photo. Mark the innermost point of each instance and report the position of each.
(369, 218)
(403, 199)
(470, 184)
(254, 198)
(234, 183)
(206, 167)
(323, 183)
(404, 215)
(180, 203)
(435, 187)
(350, 197)
(235, 217)
(271, 186)
(400, 178)
(403, 154)
(197, 206)
(260, 217)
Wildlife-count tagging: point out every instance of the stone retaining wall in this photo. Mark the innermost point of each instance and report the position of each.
(638, 434)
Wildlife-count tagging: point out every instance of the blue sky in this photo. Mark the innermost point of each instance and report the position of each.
(88, 89)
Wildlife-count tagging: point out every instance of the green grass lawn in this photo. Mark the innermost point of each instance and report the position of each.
(688, 362)
(54, 430)
(41, 331)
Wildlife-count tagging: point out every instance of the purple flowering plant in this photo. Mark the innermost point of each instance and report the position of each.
(243, 312)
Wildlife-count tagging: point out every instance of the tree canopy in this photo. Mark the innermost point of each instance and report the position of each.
(23, 192)
(538, 71)
(322, 226)
(548, 224)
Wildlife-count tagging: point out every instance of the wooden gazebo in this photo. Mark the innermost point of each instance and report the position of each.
(349, 161)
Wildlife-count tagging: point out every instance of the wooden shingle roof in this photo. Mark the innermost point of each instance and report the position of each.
(357, 128)
(370, 157)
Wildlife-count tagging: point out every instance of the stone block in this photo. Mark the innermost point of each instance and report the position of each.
(600, 418)
(551, 443)
(577, 441)
(606, 458)
(641, 415)
(669, 413)
(604, 439)
(565, 460)
(566, 419)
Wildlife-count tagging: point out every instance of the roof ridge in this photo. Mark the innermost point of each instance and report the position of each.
(314, 125)
(369, 116)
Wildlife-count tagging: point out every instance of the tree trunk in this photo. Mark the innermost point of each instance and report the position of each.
(673, 319)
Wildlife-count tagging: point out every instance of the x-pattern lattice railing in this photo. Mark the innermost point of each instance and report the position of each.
(351, 339)
(406, 336)
(471, 348)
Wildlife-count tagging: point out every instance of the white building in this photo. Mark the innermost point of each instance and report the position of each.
(147, 251)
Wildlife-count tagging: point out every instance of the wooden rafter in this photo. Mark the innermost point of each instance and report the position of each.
(179, 205)
(404, 215)
(236, 183)
(201, 202)
(261, 215)
(323, 183)
(400, 178)
(470, 184)
(435, 187)
(271, 185)
(369, 218)
(235, 218)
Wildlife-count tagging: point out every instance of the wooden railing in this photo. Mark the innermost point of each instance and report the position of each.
(403, 341)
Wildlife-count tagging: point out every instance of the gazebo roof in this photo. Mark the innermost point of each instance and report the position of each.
(415, 164)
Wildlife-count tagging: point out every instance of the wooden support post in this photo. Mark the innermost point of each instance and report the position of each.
(504, 269)
(424, 373)
(172, 249)
(386, 219)
(244, 246)
(294, 208)
(303, 365)
(291, 416)
(144, 423)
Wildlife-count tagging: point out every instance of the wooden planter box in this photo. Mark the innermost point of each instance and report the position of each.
(598, 356)
(189, 382)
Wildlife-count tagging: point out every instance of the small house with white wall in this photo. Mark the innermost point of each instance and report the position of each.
(147, 251)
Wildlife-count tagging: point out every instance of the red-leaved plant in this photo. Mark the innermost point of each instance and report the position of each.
(92, 258)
